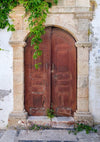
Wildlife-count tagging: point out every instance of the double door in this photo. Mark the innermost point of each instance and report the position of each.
(54, 83)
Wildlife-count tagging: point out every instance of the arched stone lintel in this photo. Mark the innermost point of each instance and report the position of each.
(19, 36)
(63, 27)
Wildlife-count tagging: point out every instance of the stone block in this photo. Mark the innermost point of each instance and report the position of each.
(18, 53)
(19, 10)
(83, 29)
(63, 122)
(18, 22)
(82, 3)
(67, 3)
(83, 13)
(82, 81)
(61, 2)
(18, 88)
(19, 36)
(18, 102)
(63, 21)
(8, 136)
(25, 23)
(83, 53)
(18, 66)
(82, 92)
(17, 15)
(57, 122)
(18, 78)
(83, 68)
(83, 117)
(39, 120)
(15, 117)
(83, 104)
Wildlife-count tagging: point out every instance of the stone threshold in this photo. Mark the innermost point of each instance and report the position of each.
(57, 122)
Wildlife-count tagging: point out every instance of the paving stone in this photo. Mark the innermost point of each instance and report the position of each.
(25, 141)
(69, 141)
(8, 136)
(29, 141)
(48, 136)
(98, 129)
(53, 141)
(1, 133)
(42, 141)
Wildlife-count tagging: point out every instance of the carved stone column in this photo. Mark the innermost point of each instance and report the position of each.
(82, 113)
(18, 83)
(18, 44)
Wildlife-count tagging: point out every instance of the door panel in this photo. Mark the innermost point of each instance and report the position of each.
(37, 82)
(63, 73)
(55, 82)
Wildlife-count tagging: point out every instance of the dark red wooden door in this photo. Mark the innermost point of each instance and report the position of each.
(37, 82)
(63, 73)
(54, 84)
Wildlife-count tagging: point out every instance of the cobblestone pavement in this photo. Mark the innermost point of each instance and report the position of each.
(51, 135)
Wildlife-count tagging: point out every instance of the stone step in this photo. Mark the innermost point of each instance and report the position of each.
(57, 122)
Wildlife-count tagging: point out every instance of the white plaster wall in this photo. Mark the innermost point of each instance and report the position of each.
(94, 88)
(6, 78)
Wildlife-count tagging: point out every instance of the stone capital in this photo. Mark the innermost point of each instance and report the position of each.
(19, 35)
(83, 44)
(17, 44)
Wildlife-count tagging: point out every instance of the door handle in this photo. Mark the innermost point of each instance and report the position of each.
(53, 67)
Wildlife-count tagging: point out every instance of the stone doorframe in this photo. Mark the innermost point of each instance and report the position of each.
(76, 22)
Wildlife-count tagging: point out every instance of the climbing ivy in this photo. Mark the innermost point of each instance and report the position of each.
(38, 10)
(93, 5)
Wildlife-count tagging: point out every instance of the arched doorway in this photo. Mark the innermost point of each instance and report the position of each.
(54, 84)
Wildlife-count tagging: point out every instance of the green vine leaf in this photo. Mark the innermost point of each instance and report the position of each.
(35, 56)
(38, 10)
(37, 65)
(39, 53)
